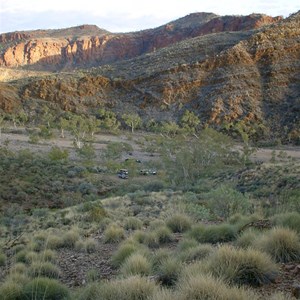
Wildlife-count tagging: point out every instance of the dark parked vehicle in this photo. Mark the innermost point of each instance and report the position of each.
(123, 174)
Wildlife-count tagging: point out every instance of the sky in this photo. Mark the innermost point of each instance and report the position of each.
(125, 15)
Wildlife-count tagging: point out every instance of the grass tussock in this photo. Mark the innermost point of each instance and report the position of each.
(45, 289)
(280, 243)
(179, 223)
(198, 252)
(114, 234)
(247, 238)
(133, 288)
(88, 246)
(289, 220)
(168, 271)
(136, 264)
(123, 252)
(133, 223)
(206, 287)
(43, 269)
(11, 290)
(238, 266)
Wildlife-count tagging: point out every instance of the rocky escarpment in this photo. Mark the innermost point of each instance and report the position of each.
(86, 46)
(225, 78)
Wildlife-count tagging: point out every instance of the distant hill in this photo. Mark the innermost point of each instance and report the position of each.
(88, 45)
(230, 71)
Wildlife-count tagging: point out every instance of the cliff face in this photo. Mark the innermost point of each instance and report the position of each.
(251, 76)
(87, 45)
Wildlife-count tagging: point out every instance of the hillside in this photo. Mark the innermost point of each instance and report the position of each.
(88, 45)
(248, 77)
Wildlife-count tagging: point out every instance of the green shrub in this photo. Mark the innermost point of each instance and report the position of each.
(123, 252)
(43, 269)
(136, 264)
(133, 223)
(198, 252)
(133, 288)
(45, 289)
(113, 234)
(206, 287)
(288, 220)
(280, 243)
(242, 266)
(97, 214)
(10, 290)
(57, 154)
(179, 223)
(168, 271)
(226, 201)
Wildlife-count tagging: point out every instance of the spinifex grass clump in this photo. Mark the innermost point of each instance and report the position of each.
(136, 264)
(250, 267)
(134, 287)
(288, 220)
(124, 251)
(114, 233)
(281, 243)
(45, 289)
(206, 287)
(198, 252)
(179, 223)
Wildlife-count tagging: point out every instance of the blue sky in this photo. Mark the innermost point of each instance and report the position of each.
(125, 15)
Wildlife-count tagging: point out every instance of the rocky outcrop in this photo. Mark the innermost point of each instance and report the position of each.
(87, 45)
(250, 77)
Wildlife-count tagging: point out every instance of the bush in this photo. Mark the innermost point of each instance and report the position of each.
(57, 154)
(207, 287)
(179, 223)
(226, 201)
(45, 289)
(11, 290)
(123, 252)
(133, 223)
(43, 269)
(136, 264)
(113, 234)
(242, 266)
(280, 243)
